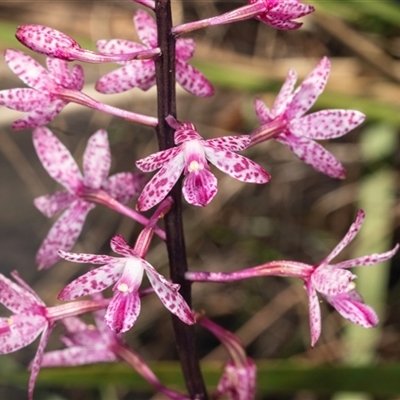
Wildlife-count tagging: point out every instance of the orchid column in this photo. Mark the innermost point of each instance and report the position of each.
(166, 95)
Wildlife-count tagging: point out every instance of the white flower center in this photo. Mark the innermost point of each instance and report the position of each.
(351, 286)
(123, 287)
(194, 166)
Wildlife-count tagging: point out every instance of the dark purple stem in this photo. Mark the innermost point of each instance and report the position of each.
(165, 73)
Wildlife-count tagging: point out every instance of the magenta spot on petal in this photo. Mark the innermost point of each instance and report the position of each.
(161, 183)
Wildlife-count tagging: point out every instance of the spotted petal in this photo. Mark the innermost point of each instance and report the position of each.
(18, 299)
(370, 259)
(92, 282)
(123, 311)
(125, 186)
(36, 299)
(279, 23)
(355, 311)
(90, 337)
(140, 74)
(230, 143)
(263, 113)
(118, 245)
(193, 80)
(119, 46)
(73, 79)
(157, 160)
(290, 9)
(88, 258)
(41, 116)
(306, 94)
(285, 95)
(24, 99)
(326, 124)
(24, 329)
(237, 166)
(146, 28)
(185, 48)
(29, 70)
(331, 282)
(315, 313)
(199, 188)
(35, 367)
(56, 159)
(185, 131)
(347, 239)
(77, 355)
(97, 159)
(63, 234)
(77, 77)
(52, 204)
(161, 183)
(169, 295)
(74, 324)
(314, 154)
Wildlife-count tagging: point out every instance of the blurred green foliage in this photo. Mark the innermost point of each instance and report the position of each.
(273, 377)
(373, 16)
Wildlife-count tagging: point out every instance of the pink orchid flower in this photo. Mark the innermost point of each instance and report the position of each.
(333, 281)
(41, 102)
(142, 73)
(51, 90)
(190, 157)
(81, 192)
(31, 318)
(238, 381)
(287, 123)
(127, 273)
(277, 13)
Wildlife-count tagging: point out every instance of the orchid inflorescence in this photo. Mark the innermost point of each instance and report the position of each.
(183, 153)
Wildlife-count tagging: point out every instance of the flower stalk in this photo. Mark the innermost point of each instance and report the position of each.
(134, 361)
(240, 14)
(102, 197)
(266, 131)
(75, 308)
(282, 268)
(75, 96)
